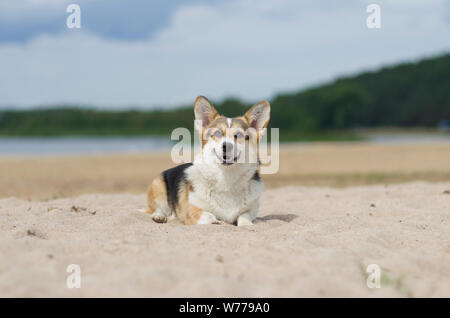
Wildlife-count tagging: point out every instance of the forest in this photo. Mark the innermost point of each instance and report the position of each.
(415, 94)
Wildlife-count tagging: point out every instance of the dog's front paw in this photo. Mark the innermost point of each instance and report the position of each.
(208, 218)
(159, 218)
(243, 220)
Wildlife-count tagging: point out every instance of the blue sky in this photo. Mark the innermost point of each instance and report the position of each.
(140, 53)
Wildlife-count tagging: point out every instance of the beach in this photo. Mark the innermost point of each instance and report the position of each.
(309, 164)
(331, 211)
(308, 241)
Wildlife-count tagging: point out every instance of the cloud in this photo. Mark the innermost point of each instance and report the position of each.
(22, 20)
(245, 48)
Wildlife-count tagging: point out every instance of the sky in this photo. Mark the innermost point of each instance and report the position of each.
(146, 54)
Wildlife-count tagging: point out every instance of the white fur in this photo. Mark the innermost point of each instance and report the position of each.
(225, 191)
(207, 218)
(244, 220)
(247, 218)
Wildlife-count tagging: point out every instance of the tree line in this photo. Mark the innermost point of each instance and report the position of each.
(415, 94)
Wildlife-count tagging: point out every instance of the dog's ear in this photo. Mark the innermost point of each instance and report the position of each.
(258, 115)
(204, 111)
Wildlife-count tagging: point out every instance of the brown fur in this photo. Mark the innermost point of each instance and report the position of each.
(184, 208)
(156, 194)
(193, 215)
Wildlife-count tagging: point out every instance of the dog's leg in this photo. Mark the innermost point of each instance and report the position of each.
(159, 217)
(247, 218)
(207, 218)
(244, 219)
(195, 215)
(157, 201)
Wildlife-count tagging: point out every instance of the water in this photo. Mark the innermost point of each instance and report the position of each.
(40, 146)
(402, 139)
(37, 146)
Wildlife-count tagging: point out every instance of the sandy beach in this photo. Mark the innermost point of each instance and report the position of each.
(308, 241)
(315, 164)
(330, 212)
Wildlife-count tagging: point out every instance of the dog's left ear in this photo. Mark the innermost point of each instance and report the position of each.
(258, 115)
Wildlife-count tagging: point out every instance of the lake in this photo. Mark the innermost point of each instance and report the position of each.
(19, 146)
(41, 146)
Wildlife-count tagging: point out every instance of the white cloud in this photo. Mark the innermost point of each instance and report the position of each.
(250, 49)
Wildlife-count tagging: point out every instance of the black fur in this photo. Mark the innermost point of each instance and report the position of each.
(172, 178)
(256, 176)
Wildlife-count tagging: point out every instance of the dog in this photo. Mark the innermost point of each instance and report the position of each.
(223, 183)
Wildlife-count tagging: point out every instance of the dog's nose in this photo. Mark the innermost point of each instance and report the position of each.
(227, 147)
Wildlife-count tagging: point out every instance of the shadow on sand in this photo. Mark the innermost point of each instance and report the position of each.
(282, 217)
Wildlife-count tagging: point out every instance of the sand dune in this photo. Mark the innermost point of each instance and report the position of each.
(308, 241)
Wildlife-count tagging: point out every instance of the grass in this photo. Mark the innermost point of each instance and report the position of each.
(388, 279)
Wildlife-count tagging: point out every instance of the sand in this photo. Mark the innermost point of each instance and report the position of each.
(314, 164)
(308, 241)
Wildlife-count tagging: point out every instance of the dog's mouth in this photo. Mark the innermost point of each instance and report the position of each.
(227, 160)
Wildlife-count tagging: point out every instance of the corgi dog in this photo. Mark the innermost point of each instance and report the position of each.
(223, 183)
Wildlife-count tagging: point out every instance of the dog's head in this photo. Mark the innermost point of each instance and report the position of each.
(227, 141)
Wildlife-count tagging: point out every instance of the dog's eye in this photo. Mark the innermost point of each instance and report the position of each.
(218, 134)
(238, 135)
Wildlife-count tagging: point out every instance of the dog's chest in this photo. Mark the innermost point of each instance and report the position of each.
(225, 199)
